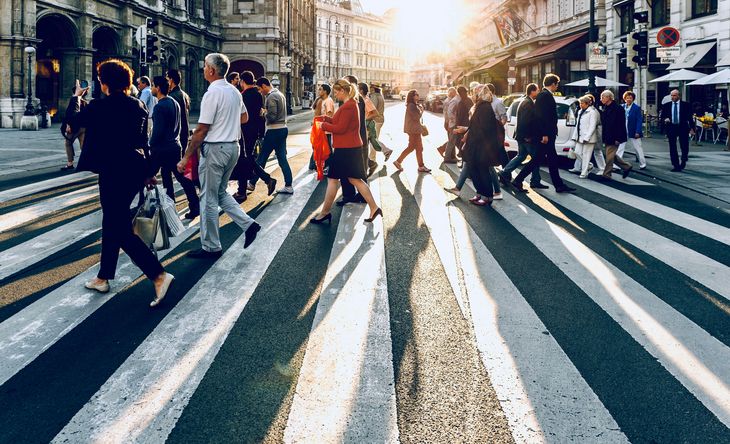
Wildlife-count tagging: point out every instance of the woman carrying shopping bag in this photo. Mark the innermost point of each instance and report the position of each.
(116, 131)
(415, 130)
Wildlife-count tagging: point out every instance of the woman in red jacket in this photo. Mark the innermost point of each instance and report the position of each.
(414, 129)
(346, 160)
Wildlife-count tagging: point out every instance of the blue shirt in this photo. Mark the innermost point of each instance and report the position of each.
(148, 99)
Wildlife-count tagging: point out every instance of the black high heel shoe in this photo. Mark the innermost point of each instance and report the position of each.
(316, 221)
(377, 213)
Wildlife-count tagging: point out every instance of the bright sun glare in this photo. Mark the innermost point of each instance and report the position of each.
(426, 26)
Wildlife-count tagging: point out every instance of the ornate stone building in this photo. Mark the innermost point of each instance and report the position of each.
(72, 36)
(255, 34)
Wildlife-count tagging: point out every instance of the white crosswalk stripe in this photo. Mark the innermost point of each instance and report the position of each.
(345, 390)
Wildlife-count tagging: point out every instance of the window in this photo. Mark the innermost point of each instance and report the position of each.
(625, 12)
(703, 7)
(660, 13)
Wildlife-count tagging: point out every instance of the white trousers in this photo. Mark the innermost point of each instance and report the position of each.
(583, 153)
(636, 145)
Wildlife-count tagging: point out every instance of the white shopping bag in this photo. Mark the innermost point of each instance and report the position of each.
(171, 217)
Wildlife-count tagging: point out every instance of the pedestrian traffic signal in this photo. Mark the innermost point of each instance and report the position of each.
(627, 53)
(641, 17)
(641, 46)
(150, 47)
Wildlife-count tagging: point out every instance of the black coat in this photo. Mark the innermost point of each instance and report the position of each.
(547, 116)
(116, 136)
(527, 129)
(75, 105)
(481, 149)
(183, 100)
(256, 125)
(686, 118)
(613, 121)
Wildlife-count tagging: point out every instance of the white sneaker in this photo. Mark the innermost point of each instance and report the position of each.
(159, 296)
(286, 190)
(583, 176)
(498, 196)
(101, 288)
(574, 171)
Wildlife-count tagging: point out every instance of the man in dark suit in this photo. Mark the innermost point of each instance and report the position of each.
(183, 100)
(613, 120)
(526, 137)
(679, 123)
(547, 131)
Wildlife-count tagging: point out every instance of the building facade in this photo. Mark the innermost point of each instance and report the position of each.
(257, 34)
(351, 41)
(72, 36)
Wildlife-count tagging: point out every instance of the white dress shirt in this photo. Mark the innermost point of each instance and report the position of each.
(221, 108)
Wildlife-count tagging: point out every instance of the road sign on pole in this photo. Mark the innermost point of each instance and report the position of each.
(275, 82)
(285, 64)
(668, 36)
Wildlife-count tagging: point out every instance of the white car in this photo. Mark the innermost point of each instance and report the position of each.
(566, 107)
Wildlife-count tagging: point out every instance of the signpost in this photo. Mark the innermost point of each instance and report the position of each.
(667, 36)
(668, 55)
(285, 64)
(597, 57)
(275, 82)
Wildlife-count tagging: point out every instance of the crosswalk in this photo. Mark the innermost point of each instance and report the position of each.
(598, 317)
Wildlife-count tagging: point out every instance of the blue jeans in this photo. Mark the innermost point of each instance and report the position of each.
(275, 141)
(532, 150)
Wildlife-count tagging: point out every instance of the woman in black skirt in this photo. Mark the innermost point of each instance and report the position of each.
(346, 160)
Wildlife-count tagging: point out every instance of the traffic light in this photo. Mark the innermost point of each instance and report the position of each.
(628, 53)
(150, 39)
(641, 17)
(641, 46)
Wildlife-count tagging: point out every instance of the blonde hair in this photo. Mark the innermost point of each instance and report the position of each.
(345, 86)
(587, 99)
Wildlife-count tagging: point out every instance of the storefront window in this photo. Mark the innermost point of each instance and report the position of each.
(660, 13)
(625, 13)
(703, 7)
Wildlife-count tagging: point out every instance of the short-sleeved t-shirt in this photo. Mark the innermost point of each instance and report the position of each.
(221, 108)
(369, 107)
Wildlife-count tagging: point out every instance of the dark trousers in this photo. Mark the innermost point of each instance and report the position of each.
(116, 192)
(543, 151)
(168, 165)
(247, 168)
(483, 179)
(275, 141)
(674, 132)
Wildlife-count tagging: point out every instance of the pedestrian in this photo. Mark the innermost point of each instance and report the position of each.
(526, 137)
(216, 137)
(547, 119)
(165, 145)
(464, 106)
(679, 123)
(634, 128)
(500, 112)
(274, 113)
(413, 127)
(481, 150)
(376, 95)
(149, 100)
(234, 79)
(183, 100)
(585, 135)
(348, 191)
(613, 119)
(75, 105)
(346, 160)
(448, 150)
(252, 131)
(116, 132)
(323, 106)
(372, 113)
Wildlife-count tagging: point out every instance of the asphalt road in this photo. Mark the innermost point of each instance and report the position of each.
(600, 317)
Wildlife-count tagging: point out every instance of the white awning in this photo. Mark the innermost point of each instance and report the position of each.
(691, 56)
(725, 61)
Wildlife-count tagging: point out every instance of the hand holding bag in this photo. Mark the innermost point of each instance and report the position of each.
(148, 222)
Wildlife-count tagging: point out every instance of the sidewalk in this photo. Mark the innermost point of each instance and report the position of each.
(28, 151)
(707, 171)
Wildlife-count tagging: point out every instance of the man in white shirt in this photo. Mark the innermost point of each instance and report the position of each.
(149, 99)
(219, 128)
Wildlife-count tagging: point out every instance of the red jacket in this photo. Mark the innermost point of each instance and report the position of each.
(345, 126)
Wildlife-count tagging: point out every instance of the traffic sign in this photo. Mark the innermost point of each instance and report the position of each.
(511, 81)
(285, 64)
(668, 36)
(275, 82)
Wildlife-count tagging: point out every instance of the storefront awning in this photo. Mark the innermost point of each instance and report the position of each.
(552, 47)
(691, 56)
(458, 77)
(491, 63)
(725, 61)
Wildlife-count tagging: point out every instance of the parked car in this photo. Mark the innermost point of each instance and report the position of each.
(565, 107)
(435, 101)
(508, 99)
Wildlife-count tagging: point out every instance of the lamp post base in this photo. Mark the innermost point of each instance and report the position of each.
(29, 123)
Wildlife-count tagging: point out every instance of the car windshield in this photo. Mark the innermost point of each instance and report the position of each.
(564, 111)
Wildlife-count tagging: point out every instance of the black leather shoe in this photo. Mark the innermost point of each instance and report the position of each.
(192, 215)
(676, 170)
(518, 186)
(203, 254)
(327, 218)
(251, 233)
(564, 189)
(626, 172)
(271, 186)
(540, 186)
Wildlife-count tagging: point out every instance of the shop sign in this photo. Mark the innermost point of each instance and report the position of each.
(597, 57)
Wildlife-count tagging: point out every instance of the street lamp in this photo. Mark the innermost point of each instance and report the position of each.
(29, 109)
(592, 38)
(337, 49)
(288, 53)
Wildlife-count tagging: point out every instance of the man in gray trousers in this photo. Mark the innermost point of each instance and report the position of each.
(219, 127)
